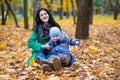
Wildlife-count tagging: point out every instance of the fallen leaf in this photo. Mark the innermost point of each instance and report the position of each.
(93, 50)
(53, 77)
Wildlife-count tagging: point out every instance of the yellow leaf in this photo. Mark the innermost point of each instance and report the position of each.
(32, 61)
(93, 50)
(115, 55)
(3, 45)
(5, 77)
(53, 77)
(19, 44)
(91, 47)
(34, 72)
(75, 66)
(12, 78)
(97, 72)
(114, 46)
(15, 38)
(18, 54)
(72, 78)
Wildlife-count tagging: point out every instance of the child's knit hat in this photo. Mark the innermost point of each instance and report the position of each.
(54, 31)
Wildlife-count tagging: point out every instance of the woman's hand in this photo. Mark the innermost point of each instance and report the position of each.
(46, 46)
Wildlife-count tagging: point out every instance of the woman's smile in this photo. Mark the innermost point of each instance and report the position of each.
(44, 16)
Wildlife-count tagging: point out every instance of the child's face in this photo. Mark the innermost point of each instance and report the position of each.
(55, 38)
(44, 16)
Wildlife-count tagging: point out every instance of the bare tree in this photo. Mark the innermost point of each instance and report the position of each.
(3, 16)
(73, 12)
(10, 9)
(115, 8)
(61, 9)
(82, 28)
(102, 7)
(67, 10)
(36, 5)
(91, 12)
(26, 14)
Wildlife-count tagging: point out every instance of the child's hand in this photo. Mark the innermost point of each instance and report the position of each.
(77, 42)
(46, 46)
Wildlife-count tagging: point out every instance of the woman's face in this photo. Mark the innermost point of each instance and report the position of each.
(44, 16)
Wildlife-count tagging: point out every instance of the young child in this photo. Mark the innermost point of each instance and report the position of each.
(61, 55)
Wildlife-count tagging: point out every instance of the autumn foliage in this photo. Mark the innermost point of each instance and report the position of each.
(97, 58)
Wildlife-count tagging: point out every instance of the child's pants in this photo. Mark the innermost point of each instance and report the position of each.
(65, 58)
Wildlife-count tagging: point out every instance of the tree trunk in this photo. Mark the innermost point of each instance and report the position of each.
(67, 10)
(6, 15)
(2, 11)
(61, 9)
(26, 14)
(36, 5)
(110, 2)
(91, 13)
(102, 7)
(73, 12)
(10, 9)
(116, 9)
(82, 28)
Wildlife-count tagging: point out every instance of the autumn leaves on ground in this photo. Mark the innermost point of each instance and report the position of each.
(97, 58)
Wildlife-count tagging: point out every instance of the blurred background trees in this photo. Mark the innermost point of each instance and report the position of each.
(24, 9)
(6, 9)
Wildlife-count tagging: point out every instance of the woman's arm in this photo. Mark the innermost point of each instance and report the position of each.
(32, 43)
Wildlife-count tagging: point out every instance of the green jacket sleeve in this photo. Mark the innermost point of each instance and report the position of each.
(33, 42)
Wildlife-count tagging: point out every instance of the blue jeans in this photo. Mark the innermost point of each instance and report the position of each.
(43, 56)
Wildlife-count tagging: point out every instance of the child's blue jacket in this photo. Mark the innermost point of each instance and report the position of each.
(59, 47)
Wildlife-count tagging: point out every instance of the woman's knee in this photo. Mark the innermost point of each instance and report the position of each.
(41, 55)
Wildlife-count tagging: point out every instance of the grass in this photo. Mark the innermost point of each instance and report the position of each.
(104, 17)
(95, 17)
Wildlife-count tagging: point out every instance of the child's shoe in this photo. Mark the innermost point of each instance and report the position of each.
(46, 67)
(38, 60)
(53, 62)
(56, 63)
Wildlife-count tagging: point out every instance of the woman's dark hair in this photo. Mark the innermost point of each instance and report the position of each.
(51, 20)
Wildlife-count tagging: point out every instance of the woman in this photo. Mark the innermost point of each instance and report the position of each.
(40, 36)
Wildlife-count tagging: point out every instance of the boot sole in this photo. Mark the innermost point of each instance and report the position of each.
(56, 64)
(38, 60)
(46, 62)
(46, 67)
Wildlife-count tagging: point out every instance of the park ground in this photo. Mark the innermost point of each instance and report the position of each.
(97, 58)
